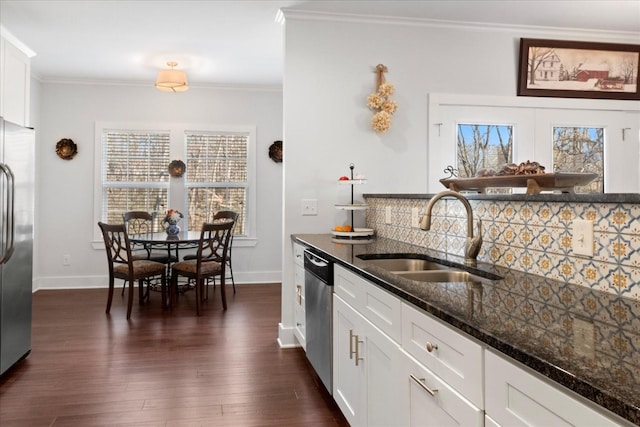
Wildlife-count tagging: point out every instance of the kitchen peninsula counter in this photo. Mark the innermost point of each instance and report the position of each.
(583, 339)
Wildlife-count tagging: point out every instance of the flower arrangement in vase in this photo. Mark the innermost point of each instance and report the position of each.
(171, 220)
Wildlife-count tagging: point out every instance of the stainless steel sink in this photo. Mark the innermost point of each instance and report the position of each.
(423, 270)
(440, 276)
(397, 265)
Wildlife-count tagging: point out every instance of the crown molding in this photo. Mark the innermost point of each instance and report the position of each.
(587, 34)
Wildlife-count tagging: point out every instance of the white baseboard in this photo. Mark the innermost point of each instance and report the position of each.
(286, 338)
(89, 282)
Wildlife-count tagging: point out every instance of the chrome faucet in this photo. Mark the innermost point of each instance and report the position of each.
(473, 244)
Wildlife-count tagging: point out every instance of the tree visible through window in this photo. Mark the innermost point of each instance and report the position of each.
(580, 149)
(483, 146)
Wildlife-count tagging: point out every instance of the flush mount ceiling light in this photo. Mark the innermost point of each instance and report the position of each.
(172, 80)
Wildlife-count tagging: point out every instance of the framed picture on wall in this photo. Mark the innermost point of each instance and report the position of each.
(574, 69)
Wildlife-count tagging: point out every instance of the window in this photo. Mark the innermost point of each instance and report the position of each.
(580, 149)
(132, 173)
(217, 176)
(483, 147)
(563, 135)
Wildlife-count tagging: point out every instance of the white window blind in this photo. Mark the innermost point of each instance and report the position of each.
(134, 173)
(217, 176)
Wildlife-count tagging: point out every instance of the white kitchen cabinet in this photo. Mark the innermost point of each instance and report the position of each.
(516, 397)
(456, 359)
(365, 369)
(299, 314)
(430, 402)
(15, 81)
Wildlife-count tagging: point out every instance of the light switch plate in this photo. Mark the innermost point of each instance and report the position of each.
(387, 215)
(582, 237)
(309, 207)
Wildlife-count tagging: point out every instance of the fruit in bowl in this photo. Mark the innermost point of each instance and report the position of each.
(343, 178)
(343, 228)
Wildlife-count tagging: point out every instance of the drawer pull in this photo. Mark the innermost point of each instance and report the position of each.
(299, 294)
(431, 347)
(420, 382)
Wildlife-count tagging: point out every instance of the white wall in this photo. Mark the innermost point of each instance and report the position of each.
(64, 188)
(329, 71)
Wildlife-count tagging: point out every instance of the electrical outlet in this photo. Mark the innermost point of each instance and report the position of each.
(415, 217)
(582, 237)
(309, 207)
(66, 259)
(387, 215)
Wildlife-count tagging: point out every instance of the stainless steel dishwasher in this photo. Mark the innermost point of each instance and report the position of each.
(318, 282)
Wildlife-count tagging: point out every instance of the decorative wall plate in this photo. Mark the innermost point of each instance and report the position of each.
(66, 149)
(177, 168)
(275, 151)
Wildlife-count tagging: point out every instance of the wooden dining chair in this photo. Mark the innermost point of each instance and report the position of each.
(208, 263)
(123, 266)
(141, 222)
(219, 216)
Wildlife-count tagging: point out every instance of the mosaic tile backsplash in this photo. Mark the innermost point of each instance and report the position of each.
(530, 236)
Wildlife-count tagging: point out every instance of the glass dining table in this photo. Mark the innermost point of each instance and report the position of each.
(172, 244)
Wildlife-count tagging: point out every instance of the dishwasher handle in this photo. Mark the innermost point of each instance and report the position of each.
(319, 267)
(316, 260)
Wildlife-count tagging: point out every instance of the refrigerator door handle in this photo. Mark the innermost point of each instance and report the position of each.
(8, 220)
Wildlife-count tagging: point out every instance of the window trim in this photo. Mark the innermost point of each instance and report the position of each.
(177, 189)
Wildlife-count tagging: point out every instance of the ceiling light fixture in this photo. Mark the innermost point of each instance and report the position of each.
(172, 80)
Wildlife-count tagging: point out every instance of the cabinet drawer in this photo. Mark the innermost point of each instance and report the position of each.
(515, 396)
(348, 286)
(298, 254)
(379, 306)
(450, 355)
(432, 402)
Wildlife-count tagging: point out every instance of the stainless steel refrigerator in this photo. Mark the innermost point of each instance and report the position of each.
(17, 166)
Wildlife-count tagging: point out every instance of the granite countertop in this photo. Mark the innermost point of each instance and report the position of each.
(583, 339)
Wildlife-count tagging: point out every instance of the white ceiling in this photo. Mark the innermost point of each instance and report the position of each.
(239, 42)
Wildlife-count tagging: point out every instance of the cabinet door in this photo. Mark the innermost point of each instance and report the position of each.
(449, 354)
(430, 402)
(517, 397)
(381, 358)
(348, 378)
(15, 74)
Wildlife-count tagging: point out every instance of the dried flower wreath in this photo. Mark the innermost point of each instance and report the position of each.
(381, 103)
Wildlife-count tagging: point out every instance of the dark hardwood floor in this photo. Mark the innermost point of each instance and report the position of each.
(162, 368)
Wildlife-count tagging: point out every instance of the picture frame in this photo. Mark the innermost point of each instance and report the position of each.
(576, 69)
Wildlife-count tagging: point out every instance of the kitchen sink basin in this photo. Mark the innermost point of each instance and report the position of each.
(440, 276)
(424, 270)
(397, 265)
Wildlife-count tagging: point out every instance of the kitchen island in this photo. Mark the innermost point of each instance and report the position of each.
(580, 338)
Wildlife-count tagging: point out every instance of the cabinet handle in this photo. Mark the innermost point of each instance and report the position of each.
(351, 336)
(431, 347)
(299, 294)
(420, 382)
(358, 342)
